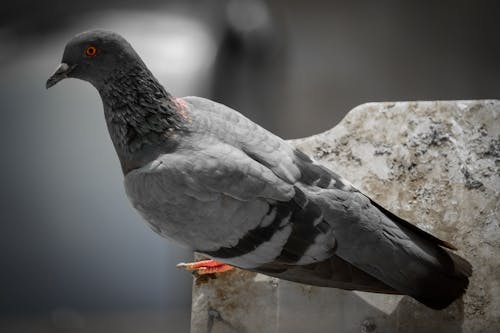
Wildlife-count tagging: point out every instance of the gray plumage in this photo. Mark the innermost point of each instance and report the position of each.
(205, 176)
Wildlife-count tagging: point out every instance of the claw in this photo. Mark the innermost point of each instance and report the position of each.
(205, 267)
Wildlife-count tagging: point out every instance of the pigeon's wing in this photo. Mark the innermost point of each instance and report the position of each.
(366, 235)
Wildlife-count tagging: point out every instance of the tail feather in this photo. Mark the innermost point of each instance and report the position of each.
(440, 285)
(440, 290)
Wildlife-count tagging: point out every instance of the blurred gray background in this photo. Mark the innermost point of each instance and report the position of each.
(74, 256)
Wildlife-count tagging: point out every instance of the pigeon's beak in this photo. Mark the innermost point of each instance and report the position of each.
(61, 73)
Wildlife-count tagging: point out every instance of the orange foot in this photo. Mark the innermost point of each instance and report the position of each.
(205, 267)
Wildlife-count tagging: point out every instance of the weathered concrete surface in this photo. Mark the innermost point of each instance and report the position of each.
(436, 164)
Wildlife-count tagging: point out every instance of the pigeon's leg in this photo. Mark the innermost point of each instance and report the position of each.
(205, 267)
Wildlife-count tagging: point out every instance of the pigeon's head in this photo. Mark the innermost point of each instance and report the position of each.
(92, 56)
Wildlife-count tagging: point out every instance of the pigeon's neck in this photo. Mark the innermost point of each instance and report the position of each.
(143, 119)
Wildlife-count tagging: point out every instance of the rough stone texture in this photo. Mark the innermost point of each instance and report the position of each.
(436, 164)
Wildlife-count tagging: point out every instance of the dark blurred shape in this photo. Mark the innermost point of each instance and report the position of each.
(251, 64)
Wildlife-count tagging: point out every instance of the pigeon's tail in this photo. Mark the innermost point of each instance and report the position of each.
(442, 277)
(440, 290)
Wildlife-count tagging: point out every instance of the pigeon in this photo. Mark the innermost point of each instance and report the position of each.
(207, 177)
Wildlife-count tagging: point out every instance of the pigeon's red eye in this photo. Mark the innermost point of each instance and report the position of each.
(91, 51)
